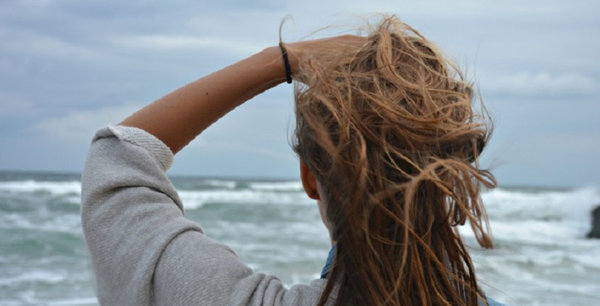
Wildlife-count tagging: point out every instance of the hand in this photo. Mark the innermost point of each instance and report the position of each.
(320, 49)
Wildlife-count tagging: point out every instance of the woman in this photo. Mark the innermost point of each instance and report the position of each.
(388, 146)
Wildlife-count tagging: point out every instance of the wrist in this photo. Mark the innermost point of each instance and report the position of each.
(273, 60)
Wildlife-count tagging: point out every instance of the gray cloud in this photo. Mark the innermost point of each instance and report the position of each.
(544, 83)
(67, 67)
(76, 126)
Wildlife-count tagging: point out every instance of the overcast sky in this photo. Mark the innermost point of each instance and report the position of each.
(68, 68)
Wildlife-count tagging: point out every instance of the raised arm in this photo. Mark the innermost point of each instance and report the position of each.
(142, 248)
(180, 116)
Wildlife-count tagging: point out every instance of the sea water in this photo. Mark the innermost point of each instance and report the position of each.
(541, 256)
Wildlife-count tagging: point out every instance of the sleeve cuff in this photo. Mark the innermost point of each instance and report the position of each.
(158, 149)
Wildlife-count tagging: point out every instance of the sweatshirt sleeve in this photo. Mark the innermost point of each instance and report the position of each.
(143, 251)
(130, 212)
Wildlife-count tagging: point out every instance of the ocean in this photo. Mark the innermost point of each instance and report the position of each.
(541, 255)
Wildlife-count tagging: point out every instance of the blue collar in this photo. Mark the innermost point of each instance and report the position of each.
(328, 262)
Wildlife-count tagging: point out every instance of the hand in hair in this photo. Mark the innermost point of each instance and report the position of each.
(299, 51)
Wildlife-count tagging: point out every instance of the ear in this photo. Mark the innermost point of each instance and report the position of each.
(309, 182)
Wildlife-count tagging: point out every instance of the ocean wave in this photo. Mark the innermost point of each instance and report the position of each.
(539, 235)
(31, 186)
(539, 218)
(227, 184)
(574, 204)
(196, 199)
(70, 223)
(73, 301)
(74, 187)
(33, 276)
(276, 186)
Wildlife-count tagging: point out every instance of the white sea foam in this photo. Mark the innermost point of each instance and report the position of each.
(220, 183)
(75, 301)
(538, 216)
(33, 276)
(195, 199)
(277, 186)
(30, 186)
(68, 223)
(518, 204)
(73, 199)
(541, 253)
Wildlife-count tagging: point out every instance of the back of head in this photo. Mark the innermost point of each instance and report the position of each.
(390, 133)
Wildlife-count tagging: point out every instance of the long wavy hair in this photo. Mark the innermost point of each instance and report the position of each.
(390, 132)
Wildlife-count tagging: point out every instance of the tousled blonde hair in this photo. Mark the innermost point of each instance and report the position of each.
(389, 130)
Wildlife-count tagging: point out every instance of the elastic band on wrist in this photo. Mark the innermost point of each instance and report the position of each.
(286, 64)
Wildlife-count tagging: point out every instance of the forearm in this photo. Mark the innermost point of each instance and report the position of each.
(184, 113)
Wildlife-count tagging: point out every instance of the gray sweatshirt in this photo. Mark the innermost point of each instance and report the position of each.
(144, 251)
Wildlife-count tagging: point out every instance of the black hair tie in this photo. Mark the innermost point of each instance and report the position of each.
(286, 63)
